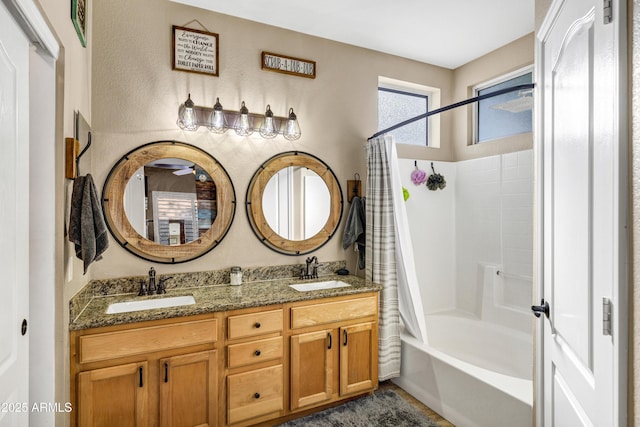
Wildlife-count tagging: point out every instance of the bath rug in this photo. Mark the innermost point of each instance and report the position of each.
(382, 409)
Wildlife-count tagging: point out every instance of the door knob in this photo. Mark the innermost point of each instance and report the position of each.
(542, 308)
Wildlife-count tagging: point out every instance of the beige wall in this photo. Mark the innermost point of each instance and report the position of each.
(136, 94)
(456, 140)
(73, 94)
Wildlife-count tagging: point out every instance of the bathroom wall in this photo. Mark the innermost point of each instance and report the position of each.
(136, 96)
(431, 216)
(482, 219)
(494, 223)
(73, 93)
(511, 57)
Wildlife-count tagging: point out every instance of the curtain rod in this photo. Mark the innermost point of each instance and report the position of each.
(457, 104)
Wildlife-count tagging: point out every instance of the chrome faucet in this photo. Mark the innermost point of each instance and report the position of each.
(313, 263)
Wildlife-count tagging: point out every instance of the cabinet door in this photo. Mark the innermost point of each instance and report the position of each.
(115, 396)
(188, 391)
(358, 355)
(311, 367)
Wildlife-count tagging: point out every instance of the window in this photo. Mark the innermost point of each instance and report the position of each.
(399, 101)
(507, 114)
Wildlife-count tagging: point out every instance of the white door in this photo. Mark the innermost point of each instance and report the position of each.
(582, 205)
(14, 222)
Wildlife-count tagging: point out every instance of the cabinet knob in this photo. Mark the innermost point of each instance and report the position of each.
(257, 353)
(257, 325)
(257, 395)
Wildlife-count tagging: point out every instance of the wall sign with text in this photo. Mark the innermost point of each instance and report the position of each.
(288, 65)
(195, 51)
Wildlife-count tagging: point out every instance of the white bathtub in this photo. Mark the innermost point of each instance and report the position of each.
(473, 373)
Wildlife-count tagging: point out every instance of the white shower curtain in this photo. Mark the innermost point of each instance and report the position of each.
(390, 259)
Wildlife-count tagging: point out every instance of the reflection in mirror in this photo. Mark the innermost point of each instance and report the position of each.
(296, 203)
(170, 201)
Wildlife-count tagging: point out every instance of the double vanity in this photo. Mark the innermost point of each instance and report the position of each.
(206, 353)
(221, 355)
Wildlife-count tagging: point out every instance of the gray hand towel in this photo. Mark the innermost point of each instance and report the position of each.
(354, 230)
(87, 229)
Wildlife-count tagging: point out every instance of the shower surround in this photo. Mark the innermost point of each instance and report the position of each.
(473, 245)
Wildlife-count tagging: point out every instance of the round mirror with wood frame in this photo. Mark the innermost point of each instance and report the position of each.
(113, 202)
(262, 227)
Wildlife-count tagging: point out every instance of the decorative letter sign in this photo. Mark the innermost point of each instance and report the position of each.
(195, 51)
(288, 65)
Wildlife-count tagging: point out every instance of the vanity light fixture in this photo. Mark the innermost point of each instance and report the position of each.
(268, 129)
(218, 122)
(244, 123)
(292, 131)
(187, 115)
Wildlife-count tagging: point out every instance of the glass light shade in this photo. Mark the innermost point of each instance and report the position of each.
(187, 118)
(292, 128)
(244, 124)
(217, 121)
(268, 129)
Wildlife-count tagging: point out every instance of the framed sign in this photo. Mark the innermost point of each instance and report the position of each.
(79, 18)
(288, 65)
(195, 51)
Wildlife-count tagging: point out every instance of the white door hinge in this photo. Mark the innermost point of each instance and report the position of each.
(606, 316)
(608, 12)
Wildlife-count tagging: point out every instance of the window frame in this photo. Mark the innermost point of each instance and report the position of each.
(433, 102)
(415, 94)
(486, 85)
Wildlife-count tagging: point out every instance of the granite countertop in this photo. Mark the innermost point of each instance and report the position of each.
(214, 299)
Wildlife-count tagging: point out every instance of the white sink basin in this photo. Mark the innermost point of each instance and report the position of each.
(316, 286)
(148, 304)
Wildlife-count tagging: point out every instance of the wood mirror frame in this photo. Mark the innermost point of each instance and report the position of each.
(130, 239)
(256, 216)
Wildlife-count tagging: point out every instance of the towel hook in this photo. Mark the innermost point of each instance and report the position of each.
(73, 155)
(82, 152)
(353, 187)
(356, 177)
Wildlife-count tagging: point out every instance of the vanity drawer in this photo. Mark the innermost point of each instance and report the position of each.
(110, 345)
(255, 393)
(248, 325)
(254, 352)
(319, 314)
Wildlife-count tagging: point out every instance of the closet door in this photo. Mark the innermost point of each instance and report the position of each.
(14, 217)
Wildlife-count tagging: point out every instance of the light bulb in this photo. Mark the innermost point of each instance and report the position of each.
(218, 123)
(268, 129)
(187, 116)
(292, 128)
(244, 126)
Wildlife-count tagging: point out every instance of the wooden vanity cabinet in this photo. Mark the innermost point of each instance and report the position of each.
(259, 365)
(161, 373)
(334, 350)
